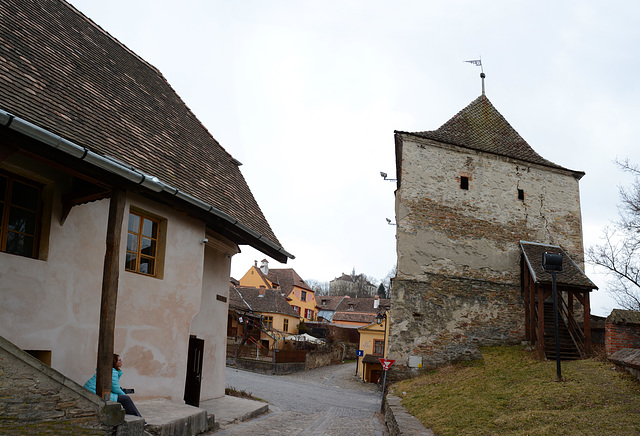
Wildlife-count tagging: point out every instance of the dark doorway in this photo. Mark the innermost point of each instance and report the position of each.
(194, 371)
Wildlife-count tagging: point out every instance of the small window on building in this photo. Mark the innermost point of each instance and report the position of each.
(285, 325)
(464, 183)
(378, 347)
(268, 322)
(520, 194)
(308, 313)
(303, 295)
(143, 244)
(20, 214)
(351, 307)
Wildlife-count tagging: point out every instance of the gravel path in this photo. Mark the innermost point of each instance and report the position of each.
(323, 401)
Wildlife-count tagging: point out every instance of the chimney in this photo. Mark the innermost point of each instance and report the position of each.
(262, 291)
(376, 302)
(264, 267)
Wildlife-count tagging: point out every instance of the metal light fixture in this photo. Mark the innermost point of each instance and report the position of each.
(384, 176)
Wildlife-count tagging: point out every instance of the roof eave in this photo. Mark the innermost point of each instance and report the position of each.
(575, 173)
(149, 184)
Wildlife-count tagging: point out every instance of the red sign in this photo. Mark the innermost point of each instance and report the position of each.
(386, 363)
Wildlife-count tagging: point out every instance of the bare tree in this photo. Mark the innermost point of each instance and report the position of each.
(320, 287)
(619, 252)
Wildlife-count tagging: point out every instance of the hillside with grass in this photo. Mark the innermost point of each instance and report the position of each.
(510, 392)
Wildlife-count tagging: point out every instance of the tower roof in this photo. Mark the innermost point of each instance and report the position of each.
(480, 126)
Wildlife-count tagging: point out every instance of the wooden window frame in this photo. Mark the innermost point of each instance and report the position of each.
(159, 239)
(268, 322)
(285, 325)
(375, 345)
(7, 207)
(303, 295)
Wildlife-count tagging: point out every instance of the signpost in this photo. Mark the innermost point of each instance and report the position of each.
(359, 354)
(386, 364)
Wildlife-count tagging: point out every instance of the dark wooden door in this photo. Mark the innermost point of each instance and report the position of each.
(194, 371)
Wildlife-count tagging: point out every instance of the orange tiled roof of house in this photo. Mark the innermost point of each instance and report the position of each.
(287, 278)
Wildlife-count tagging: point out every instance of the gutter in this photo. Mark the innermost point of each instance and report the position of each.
(126, 171)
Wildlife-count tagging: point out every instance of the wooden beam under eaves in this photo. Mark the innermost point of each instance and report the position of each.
(80, 195)
(6, 151)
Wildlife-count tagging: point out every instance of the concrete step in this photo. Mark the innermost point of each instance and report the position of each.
(166, 418)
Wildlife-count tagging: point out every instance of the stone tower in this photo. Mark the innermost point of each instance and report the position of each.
(467, 194)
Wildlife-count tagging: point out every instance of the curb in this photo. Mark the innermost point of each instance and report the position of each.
(399, 421)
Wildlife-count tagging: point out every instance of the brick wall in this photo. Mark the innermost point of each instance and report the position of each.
(619, 336)
(36, 398)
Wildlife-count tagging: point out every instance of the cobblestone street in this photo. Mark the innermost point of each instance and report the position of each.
(324, 401)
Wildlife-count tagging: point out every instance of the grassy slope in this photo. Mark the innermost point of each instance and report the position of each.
(509, 392)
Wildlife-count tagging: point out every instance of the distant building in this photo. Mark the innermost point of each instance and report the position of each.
(327, 305)
(278, 319)
(352, 285)
(359, 312)
(299, 295)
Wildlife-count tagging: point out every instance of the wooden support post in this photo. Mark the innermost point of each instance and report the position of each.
(540, 322)
(587, 322)
(109, 293)
(533, 290)
(527, 307)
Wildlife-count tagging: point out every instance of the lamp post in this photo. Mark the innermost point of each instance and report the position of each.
(552, 262)
(379, 317)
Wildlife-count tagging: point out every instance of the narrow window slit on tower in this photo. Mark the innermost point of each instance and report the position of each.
(520, 194)
(464, 183)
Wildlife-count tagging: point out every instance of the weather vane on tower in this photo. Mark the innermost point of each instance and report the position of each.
(478, 63)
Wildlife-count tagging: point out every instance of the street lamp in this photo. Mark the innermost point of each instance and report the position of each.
(552, 262)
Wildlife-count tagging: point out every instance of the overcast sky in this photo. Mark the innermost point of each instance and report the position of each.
(307, 96)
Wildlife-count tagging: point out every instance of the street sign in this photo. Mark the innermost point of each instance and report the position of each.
(386, 363)
(360, 353)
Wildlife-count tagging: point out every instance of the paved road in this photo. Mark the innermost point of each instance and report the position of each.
(327, 401)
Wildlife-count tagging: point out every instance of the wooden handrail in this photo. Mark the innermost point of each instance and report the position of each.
(576, 333)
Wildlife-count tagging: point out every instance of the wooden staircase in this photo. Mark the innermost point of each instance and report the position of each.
(568, 348)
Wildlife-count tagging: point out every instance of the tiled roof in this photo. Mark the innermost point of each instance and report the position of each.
(362, 305)
(265, 300)
(331, 302)
(353, 317)
(479, 126)
(571, 275)
(63, 73)
(622, 316)
(371, 358)
(235, 299)
(287, 278)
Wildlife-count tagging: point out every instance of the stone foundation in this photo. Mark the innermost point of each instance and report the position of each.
(446, 319)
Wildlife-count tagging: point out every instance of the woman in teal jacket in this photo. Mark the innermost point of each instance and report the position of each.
(117, 394)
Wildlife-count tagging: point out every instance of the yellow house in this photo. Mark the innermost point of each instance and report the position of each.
(299, 295)
(278, 319)
(373, 343)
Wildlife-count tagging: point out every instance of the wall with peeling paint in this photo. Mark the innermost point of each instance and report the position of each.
(52, 304)
(458, 278)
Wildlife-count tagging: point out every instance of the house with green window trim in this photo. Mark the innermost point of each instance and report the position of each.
(110, 186)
